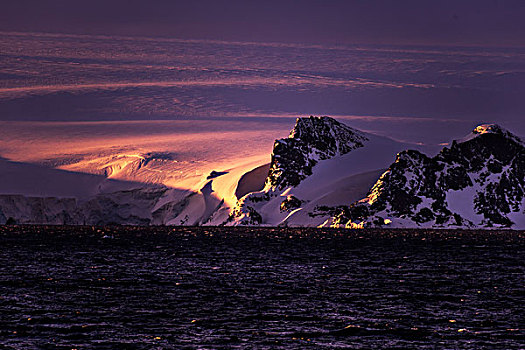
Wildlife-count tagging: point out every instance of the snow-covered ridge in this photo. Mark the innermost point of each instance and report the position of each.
(479, 182)
(322, 165)
(32, 193)
(494, 129)
(487, 128)
(311, 140)
(324, 173)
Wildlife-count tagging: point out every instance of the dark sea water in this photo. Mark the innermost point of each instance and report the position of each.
(221, 288)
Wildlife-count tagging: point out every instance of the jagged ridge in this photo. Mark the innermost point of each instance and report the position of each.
(419, 190)
(312, 139)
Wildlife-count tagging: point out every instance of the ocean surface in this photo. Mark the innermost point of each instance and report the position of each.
(223, 288)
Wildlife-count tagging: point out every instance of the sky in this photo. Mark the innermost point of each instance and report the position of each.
(401, 22)
(417, 71)
(211, 84)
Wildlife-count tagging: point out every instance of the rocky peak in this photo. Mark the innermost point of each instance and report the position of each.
(487, 143)
(311, 140)
(484, 173)
(491, 131)
(327, 135)
(488, 128)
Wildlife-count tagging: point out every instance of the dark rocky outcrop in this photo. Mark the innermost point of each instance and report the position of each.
(311, 140)
(488, 166)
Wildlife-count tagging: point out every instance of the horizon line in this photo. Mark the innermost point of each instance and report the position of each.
(338, 46)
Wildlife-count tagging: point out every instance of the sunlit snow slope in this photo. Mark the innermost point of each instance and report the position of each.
(211, 173)
(323, 164)
(155, 172)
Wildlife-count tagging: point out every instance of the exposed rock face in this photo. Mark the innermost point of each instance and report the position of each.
(477, 182)
(314, 174)
(312, 139)
(131, 207)
(245, 212)
(45, 210)
(290, 203)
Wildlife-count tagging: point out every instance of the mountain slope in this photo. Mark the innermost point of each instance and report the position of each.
(314, 174)
(31, 193)
(311, 140)
(478, 182)
(313, 170)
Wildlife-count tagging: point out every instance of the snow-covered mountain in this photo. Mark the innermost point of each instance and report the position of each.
(323, 164)
(31, 193)
(324, 173)
(478, 182)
